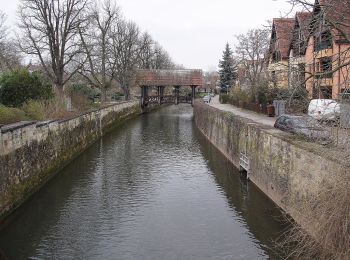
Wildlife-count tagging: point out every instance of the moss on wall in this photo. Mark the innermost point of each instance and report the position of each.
(26, 168)
(289, 171)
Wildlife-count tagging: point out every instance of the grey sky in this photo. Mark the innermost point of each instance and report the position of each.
(194, 32)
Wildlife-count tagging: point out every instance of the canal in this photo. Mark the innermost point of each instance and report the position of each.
(152, 189)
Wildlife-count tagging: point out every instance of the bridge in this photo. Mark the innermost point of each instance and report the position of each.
(161, 79)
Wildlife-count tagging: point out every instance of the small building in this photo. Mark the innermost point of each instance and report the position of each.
(281, 36)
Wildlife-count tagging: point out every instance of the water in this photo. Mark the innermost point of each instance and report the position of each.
(153, 189)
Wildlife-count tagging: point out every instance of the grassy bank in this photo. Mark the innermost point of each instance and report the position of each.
(44, 110)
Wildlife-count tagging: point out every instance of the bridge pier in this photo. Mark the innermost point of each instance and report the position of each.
(144, 96)
(160, 94)
(177, 94)
(193, 88)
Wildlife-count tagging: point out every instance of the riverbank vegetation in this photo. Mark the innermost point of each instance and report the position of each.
(328, 215)
(85, 52)
(26, 95)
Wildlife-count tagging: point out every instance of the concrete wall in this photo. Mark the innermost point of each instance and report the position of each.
(31, 153)
(287, 170)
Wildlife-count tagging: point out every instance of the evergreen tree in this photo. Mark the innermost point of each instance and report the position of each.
(227, 70)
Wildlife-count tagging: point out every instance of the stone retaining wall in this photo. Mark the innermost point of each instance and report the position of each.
(31, 152)
(288, 170)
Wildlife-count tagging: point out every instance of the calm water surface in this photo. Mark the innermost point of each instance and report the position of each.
(152, 189)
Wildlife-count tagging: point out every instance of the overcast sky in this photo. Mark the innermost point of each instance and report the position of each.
(194, 32)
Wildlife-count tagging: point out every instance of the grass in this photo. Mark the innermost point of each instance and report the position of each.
(54, 108)
(44, 110)
(34, 110)
(10, 115)
(201, 95)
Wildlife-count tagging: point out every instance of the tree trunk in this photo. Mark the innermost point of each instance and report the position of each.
(62, 97)
(126, 91)
(103, 94)
(58, 88)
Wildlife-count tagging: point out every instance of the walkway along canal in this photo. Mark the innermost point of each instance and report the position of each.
(154, 188)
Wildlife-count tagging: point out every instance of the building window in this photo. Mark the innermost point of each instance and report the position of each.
(326, 92)
(326, 68)
(276, 56)
(323, 92)
(323, 41)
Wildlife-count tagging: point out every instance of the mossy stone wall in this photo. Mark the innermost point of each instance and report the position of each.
(31, 154)
(288, 170)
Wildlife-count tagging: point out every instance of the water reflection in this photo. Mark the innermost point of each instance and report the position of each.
(153, 189)
(264, 220)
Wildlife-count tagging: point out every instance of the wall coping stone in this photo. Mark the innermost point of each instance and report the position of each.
(44, 123)
(15, 126)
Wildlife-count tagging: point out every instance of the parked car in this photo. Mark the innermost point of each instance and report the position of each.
(303, 125)
(324, 109)
(207, 99)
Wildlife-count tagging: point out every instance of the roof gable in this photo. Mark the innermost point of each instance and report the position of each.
(282, 34)
(304, 19)
(337, 14)
(301, 31)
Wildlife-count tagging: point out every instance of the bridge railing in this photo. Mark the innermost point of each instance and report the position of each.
(167, 99)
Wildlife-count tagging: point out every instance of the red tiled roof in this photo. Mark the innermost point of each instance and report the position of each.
(304, 19)
(337, 12)
(284, 32)
(169, 77)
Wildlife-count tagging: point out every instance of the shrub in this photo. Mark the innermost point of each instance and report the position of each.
(10, 115)
(224, 98)
(19, 86)
(81, 102)
(117, 96)
(239, 95)
(56, 108)
(83, 90)
(262, 96)
(34, 110)
(201, 94)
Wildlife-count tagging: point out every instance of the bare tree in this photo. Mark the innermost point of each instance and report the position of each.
(50, 32)
(146, 54)
(133, 50)
(125, 51)
(152, 55)
(3, 29)
(161, 58)
(9, 57)
(211, 80)
(100, 68)
(250, 52)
